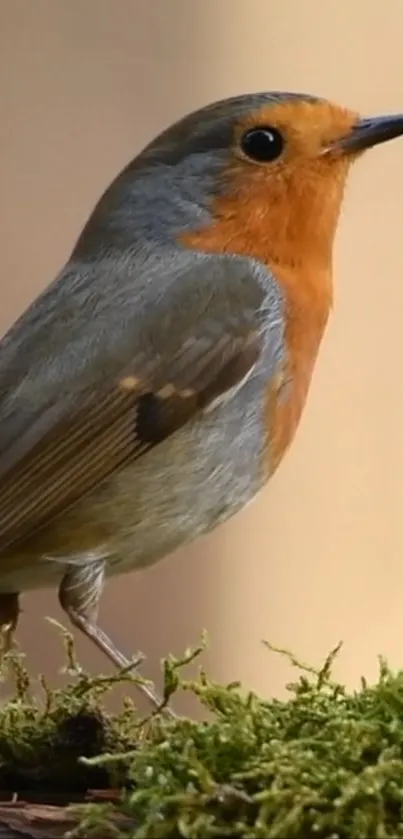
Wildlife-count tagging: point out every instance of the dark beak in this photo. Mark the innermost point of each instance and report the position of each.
(369, 132)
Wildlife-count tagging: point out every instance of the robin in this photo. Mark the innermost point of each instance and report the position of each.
(153, 388)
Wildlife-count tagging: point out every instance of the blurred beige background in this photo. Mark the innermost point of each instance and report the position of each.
(319, 557)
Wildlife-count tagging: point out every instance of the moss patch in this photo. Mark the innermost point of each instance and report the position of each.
(324, 763)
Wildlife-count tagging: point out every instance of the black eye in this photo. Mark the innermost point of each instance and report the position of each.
(262, 144)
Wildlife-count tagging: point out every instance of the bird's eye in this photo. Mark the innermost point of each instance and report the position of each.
(262, 144)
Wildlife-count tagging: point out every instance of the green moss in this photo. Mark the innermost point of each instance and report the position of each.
(325, 763)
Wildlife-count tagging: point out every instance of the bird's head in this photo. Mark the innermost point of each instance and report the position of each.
(270, 169)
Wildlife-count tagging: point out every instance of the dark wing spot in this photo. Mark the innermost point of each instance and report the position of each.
(160, 414)
(158, 417)
(149, 425)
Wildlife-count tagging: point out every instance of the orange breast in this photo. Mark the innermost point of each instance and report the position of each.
(306, 317)
(254, 227)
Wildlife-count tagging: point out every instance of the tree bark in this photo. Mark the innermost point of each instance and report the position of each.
(27, 820)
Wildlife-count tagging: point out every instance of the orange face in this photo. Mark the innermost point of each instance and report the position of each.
(290, 205)
(308, 127)
(284, 211)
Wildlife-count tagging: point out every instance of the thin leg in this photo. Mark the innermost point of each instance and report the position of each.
(9, 614)
(79, 596)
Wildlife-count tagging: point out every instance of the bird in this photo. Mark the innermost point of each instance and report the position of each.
(155, 385)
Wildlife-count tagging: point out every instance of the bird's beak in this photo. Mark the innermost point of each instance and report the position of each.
(367, 133)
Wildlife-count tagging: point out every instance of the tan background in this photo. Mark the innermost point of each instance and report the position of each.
(319, 557)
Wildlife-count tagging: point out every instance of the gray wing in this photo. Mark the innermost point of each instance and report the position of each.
(105, 365)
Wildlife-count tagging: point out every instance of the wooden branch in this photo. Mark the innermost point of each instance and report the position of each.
(24, 820)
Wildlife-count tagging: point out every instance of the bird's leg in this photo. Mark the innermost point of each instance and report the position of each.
(79, 596)
(9, 614)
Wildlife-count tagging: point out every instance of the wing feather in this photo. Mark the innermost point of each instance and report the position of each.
(82, 428)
